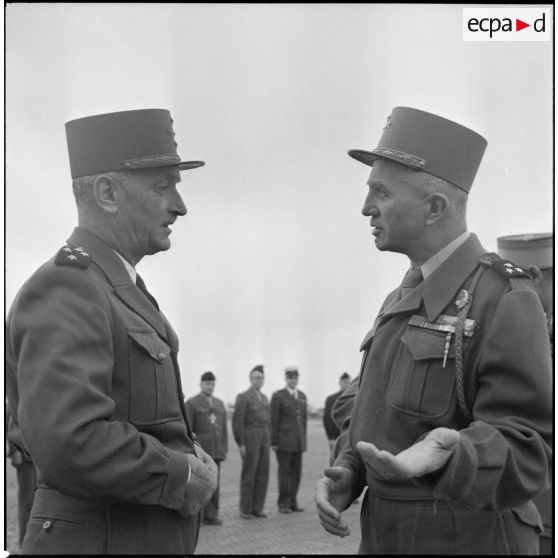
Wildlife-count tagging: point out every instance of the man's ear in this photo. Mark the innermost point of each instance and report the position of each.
(105, 193)
(436, 205)
(535, 273)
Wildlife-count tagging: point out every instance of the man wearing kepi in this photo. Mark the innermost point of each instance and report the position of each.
(451, 425)
(288, 439)
(91, 362)
(208, 418)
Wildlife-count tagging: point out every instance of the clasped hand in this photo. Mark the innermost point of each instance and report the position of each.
(202, 483)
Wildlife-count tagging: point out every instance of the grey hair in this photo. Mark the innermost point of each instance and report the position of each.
(430, 184)
(82, 187)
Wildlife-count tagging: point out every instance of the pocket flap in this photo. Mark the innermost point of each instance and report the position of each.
(425, 344)
(527, 513)
(148, 340)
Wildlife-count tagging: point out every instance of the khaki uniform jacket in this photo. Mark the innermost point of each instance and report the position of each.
(502, 459)
(288, 421)
(209, 424)
(91, 368)
(250, 412)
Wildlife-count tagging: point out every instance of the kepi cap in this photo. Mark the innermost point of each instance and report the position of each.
(121, 141)
(427, 142)
(291, 372)
(345, 376)
(258, 368)
(208, 377)
(527, 249)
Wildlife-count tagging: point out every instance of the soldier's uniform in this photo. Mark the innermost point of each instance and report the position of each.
(529, 250)
(251, 424)
(466, 349)
(208, 419)
(288, 435)
(93, 379)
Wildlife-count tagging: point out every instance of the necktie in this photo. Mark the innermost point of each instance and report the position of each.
(141, 286)
(411, 280)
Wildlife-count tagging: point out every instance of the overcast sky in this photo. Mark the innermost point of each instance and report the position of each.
(273, 263)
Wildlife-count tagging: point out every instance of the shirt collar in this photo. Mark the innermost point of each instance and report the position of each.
(440, 257)
(131, 271)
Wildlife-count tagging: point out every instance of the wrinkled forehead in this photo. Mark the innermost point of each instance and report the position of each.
(388, 172)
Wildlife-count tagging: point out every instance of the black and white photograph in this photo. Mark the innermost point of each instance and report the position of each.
(278, 278)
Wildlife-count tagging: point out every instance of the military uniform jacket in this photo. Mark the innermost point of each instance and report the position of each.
(91, 368)
(502, 458)
(209, 424)
(332, 430)
(250, 411)
(288, 421)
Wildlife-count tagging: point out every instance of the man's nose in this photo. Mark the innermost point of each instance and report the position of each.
(178, 205)
(369, 209)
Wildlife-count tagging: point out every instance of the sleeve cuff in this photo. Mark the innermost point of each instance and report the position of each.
(178, 476)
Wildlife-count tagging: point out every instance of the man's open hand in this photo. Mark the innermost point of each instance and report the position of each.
(422, 458)
(333, 495)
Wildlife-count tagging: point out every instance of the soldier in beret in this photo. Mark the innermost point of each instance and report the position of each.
(534, 253)
(208, 419)
(251, 428)
(91, 361)
(332, 430)
(288, 439)
(451, 425)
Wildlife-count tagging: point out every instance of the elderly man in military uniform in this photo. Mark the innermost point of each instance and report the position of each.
(451, 426)
(534, 253)
(332, 430)
(208, 419)
(288, 439)
(251, 428)
(91, 361)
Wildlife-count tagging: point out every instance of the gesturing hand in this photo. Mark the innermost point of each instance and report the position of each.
(422, 458)
(333, 495)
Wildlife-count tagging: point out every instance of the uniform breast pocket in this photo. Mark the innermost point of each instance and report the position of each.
(153, 388)
(419, 384)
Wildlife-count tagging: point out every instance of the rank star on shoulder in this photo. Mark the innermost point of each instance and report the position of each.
(72, 257)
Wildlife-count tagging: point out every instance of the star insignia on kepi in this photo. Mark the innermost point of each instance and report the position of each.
(388, 123)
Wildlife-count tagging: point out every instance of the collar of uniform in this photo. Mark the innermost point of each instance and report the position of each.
(291, 391)
(131, 270)
(439, 288)
(111, 265)
(440, 257)
(103, 255)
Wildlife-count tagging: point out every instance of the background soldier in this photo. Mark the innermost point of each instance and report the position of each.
(443, 430)
(534, 252)
(92, 374)
(332, 430)
(288, 439)
(251, 429)
(208, 419)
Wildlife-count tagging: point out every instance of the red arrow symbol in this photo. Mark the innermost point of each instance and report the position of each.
(519, 25)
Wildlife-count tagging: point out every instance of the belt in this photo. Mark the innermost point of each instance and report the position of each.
(50, 500)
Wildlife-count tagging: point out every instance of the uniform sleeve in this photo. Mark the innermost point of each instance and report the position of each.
(238, 419)
(60, 341)
(275, 408)
(343, 406)
(502, 459)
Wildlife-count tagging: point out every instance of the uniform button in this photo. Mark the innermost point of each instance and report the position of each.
(47, 525)
(161, 356)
